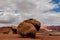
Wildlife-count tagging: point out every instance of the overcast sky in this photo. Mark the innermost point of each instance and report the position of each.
(12, 12)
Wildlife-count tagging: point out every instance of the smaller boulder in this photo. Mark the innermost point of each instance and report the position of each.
(14, 29)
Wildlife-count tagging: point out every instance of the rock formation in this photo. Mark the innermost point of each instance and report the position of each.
(35, 22)
(26, 29)
(14, 29)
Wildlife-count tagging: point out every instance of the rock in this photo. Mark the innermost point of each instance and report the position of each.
(36, 23)
(14, 29)
(44, 28)
(26, 29)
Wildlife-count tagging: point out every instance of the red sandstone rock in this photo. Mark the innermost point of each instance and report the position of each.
(14, 29)
(54, 28)
(44, 28)
(26, 29)
(35, 22)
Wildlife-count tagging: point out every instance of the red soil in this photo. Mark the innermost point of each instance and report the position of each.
(11, 36)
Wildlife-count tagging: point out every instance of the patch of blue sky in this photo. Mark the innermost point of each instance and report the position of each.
(55, 1)
(57, 9)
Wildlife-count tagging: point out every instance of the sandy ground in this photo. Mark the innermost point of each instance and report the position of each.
(17, 37)
(14, 37)
(11, 36)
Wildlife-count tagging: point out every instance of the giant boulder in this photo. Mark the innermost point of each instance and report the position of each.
(26, 29)
(35, 22)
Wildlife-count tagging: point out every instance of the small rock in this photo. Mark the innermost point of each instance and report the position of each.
(14, 29)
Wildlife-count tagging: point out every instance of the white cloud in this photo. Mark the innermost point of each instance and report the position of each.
(50, 19)
(38, 9)
(35, 5)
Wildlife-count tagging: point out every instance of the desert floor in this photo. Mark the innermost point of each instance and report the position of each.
(39, 36)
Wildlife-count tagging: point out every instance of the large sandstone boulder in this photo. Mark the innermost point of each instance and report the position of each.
(26, 29)
(35, 22)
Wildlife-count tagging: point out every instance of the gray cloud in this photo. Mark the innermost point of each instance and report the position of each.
(14, 12)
